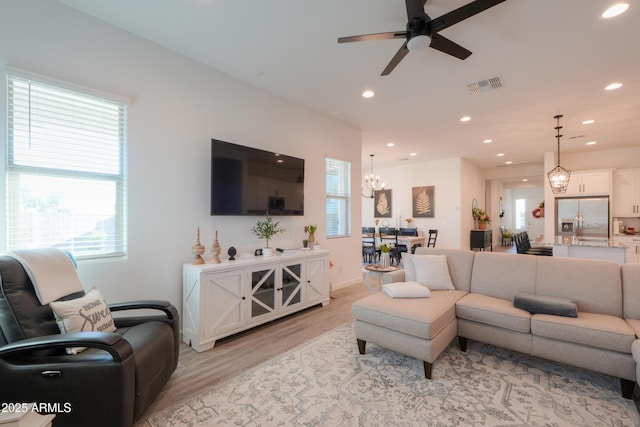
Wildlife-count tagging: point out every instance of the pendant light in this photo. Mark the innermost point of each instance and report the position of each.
(558, 176)
(372, 183)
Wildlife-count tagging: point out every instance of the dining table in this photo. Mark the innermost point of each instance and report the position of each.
(409, 241)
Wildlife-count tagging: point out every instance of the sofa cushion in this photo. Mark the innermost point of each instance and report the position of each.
(630, 290)
(595, 285)
(406, 290)
(589, 329)
(635, 325)
(493, 311)
(502, 275)
(420, 317)
(545, 304)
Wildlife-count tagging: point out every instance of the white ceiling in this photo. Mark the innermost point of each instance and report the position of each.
(554, 57)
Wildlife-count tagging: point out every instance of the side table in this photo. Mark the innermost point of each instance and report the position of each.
(375, 269)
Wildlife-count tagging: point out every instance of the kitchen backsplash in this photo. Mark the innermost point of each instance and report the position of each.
(630, 222)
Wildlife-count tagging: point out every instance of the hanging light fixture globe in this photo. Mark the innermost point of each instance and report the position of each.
(558, 176)
(371, 183)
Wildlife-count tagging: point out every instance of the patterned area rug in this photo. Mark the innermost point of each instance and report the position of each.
(327, 383)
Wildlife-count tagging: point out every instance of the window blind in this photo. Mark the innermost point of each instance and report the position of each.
(338, 197)
(66, 181)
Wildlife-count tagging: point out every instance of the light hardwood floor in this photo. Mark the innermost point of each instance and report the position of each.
(231, 356)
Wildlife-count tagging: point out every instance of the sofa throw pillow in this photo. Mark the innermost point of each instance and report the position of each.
(432, 271)
(408, 267)
(406, 290)
(542, 304)
(87, 313)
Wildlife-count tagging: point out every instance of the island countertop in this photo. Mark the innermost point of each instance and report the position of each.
(601, 242)
(589, 247)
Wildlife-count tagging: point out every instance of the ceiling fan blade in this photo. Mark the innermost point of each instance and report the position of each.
(460, 14)
(376, 36)
(445, 45)
(415, 9)
(400, 54)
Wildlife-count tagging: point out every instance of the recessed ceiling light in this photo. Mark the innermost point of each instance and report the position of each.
(368, 94)
(524, 180)
(280, 161)
(588, 122)
(591, 143)
(487, 141)
(465, 119)
(500, 154)
(613, 86)
(508, 162)
(615, 10)
(391, 144)
(413, 154)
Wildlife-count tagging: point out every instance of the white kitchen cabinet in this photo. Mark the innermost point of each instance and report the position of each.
(632, 243)
(223, 299)
(588, 183)
(626, 192)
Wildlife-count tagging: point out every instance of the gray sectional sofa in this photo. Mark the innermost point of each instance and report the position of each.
(480, 306)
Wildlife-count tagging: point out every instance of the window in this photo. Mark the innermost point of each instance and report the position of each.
(66, 185)
(338, 188)
(520, 217)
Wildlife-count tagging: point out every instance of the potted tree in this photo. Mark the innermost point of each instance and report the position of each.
(266, 229)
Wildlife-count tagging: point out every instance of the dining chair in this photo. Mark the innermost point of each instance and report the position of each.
(431, 241)
(369, 251)
(391, 236)
(506, 239)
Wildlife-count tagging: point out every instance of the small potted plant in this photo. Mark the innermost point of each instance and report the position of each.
(311, 231)
(385, 259)
(266, 229)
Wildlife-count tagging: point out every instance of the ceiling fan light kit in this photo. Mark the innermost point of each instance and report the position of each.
(558, 176)
(422, 31)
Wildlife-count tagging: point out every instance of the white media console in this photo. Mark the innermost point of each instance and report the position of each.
(222, 299)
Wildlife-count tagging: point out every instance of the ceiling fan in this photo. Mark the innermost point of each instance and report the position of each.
(421, 28)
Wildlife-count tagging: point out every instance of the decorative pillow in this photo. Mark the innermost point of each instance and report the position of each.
(406, 290)
(409, 268)
(542, 304)
(432, 271)
(87, 313)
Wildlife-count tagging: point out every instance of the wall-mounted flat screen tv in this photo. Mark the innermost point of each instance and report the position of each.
(249, 181)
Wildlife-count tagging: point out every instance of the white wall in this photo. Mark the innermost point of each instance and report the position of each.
(177, 106)
(456, 183)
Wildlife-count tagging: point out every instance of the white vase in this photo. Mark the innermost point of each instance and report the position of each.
(266, 251)
(385, 260)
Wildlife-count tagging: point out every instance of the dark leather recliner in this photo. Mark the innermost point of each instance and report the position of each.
(110, 384)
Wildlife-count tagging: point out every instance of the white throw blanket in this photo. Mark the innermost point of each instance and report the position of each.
(51, 271)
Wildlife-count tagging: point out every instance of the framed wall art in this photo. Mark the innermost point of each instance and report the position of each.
(382, 204)
(422, 200)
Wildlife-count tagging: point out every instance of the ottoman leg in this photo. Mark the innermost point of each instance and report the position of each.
(428, 367)
(362, 344)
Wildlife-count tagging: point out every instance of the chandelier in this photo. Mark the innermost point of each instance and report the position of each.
(371, 183)
(558, 176)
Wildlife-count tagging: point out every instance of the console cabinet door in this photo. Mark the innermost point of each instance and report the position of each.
(290, 290)
(225, 310)
(316, 289)
(263, 292)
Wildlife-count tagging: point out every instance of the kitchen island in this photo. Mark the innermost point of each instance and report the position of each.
(590, 248)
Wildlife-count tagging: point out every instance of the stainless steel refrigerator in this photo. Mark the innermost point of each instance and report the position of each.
(589, 216)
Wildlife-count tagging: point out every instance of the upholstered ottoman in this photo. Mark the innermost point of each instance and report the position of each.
(418, 327)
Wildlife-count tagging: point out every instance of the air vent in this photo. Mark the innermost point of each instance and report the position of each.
(577, 137)
(485, 85)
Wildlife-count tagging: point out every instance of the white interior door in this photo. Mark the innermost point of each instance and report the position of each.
(535, 226)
